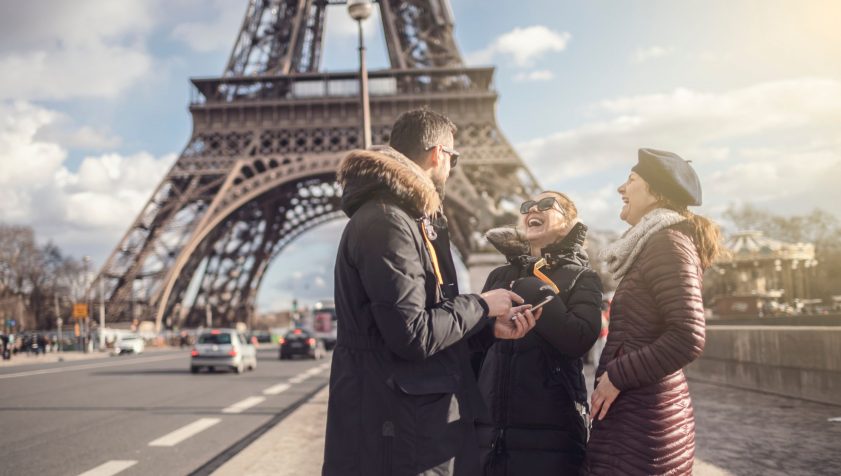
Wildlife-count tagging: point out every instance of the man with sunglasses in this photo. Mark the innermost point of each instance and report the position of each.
(403, 396)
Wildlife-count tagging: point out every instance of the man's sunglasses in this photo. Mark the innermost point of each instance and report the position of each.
(542, 205)
(454, 154)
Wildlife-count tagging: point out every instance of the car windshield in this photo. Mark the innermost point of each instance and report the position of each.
(215, 339)
(298, 334)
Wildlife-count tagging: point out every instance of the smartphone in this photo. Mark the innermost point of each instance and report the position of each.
(539, 305)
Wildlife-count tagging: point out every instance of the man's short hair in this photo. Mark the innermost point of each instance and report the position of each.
(416, 130)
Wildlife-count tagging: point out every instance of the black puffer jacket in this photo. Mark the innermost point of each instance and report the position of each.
(403, 397)
(534, 386)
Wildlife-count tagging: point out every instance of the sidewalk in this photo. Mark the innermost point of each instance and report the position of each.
(738, 432)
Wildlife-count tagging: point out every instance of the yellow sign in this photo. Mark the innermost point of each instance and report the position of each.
(80, 311)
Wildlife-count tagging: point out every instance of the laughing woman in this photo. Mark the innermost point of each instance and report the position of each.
(643, 421)
(534, 387)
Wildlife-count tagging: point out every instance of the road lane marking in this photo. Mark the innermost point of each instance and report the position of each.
(325, 366)
(834, 420)
(89, 366)
(185, 432)
(240, 407)
(309, 373)
(110, 468)
(277, 389)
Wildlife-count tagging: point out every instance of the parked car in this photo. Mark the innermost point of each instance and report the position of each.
(223, 348)
(130, 344)
(301, 342)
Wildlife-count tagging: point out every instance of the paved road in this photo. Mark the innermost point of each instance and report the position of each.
(757, 434)
(141, 414)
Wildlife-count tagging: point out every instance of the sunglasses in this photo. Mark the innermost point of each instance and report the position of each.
(542, 205)
(454, 154)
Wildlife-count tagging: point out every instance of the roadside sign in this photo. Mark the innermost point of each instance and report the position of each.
(80, 311)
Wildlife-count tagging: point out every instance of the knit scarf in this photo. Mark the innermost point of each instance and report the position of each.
(622, 253)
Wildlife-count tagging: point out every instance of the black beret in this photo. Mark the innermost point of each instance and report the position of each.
(670, 176)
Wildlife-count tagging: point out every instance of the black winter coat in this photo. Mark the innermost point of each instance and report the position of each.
(534, 386)
(403, 397)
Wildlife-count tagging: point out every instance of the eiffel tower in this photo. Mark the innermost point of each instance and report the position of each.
(259, 168)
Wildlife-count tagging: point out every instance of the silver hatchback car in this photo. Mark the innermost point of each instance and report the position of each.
(223, 348)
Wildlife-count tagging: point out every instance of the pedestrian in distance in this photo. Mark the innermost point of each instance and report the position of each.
(642, 411)
(403, 396)
(534, 387)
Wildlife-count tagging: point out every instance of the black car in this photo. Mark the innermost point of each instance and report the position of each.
(301, 342)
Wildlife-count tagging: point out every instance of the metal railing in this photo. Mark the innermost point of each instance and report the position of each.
(341, 85)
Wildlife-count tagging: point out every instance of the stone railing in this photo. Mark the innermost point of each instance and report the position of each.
(795, 361)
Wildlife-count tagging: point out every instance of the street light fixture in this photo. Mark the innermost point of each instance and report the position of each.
(360, 10)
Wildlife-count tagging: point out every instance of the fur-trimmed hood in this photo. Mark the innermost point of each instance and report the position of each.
(383, 171)
(511, 243)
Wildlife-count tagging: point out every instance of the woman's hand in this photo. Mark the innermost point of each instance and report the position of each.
(603, 397)
(517, 323)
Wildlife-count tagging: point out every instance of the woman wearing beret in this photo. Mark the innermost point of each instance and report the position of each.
(642, 414)
(534, 387)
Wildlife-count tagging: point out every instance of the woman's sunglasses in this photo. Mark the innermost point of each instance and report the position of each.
(542, 205)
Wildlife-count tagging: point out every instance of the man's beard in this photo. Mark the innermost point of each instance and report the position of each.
(440, 185)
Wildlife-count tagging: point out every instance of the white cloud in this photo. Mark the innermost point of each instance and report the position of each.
(641, 55)
(774, 143)
(84, 48)
(217, 34)
(62, 129)
(90, 207)
(522, 45)
(80, 49)
(540, 75)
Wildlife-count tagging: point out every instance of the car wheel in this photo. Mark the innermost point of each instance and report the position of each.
(211, 369)
(194, 369)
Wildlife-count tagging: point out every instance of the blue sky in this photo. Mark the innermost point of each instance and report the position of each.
(93, 104)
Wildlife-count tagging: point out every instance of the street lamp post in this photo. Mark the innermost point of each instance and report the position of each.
(101, 314)
(360, 10)
(86, 321)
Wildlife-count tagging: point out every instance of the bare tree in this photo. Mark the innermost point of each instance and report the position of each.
(34, 279)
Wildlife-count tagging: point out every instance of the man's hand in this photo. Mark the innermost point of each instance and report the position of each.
(517, 323)
(603, 397)
(499, 301)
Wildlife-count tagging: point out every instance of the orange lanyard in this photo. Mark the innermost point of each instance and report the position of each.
(539, 274)
(432, 254)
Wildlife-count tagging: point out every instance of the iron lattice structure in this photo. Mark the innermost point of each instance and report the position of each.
(259, 169)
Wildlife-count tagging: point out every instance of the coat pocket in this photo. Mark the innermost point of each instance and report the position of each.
(425, 385)
(431, 399)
